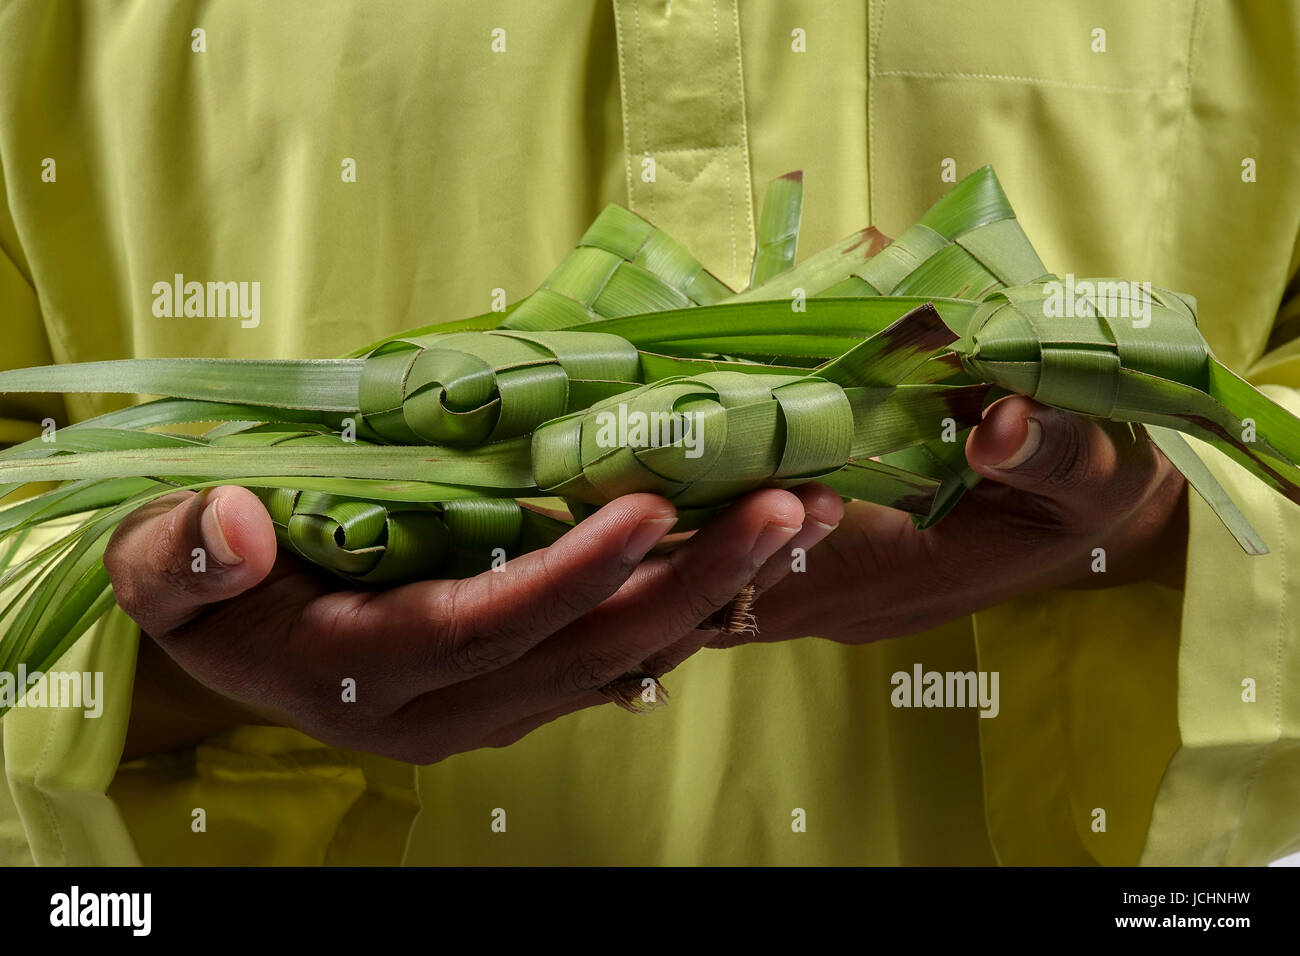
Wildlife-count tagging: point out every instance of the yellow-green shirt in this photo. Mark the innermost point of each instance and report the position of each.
(1158, 141)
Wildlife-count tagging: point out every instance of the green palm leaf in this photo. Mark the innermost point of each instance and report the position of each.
(864, 366)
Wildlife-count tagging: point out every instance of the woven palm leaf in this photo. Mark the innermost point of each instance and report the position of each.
(863, 366)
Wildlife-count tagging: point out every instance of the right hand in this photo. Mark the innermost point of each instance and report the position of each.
(440, 667)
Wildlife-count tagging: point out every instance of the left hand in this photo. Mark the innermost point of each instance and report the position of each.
(1057, 486)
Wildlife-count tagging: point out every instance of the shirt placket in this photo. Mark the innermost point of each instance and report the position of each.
(685, 140)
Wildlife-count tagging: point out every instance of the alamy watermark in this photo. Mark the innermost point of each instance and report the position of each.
(79, 689)
(637, 429)
(208, 300)
(1113, 298)
(922, 688)
(75, 908)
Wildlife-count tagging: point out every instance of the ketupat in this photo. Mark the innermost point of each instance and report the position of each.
(863, 367)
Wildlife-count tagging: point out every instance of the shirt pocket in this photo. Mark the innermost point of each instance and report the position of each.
(1105, 45)
(1081, 126)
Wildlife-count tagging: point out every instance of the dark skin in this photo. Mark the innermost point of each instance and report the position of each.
(1027, 528)
(447, 666)
(440, 666)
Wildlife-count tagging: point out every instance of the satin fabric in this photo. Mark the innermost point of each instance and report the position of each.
(476, 170)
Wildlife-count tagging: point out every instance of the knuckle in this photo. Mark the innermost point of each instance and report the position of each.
(461, 647)
(168, 562)
(1070, 465)
(443, 612)
(566, 598)
(1032, 522)
(584, 673)
(128, 594)
(475, 655)
(698, 603)
(1141, 479)
(700, 607)
(568, 604)
(449, 632)
(176, 577)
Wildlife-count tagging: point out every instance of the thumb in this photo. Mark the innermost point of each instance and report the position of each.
(1071, 460)
(175, 556)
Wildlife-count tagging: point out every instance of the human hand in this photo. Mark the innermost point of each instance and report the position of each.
(1057, 487)
(439, 667)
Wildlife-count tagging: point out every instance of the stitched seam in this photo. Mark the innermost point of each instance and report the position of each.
(1075, 816)
(1282, 618)
(718, 150)
(875, 24)
(640, 72)
(40, 790)
(720, 153)
(627, 55)
(731, 202)
(1012, 78)
(748, 192)
(1252, 778)
(699, 149)
(623, 90)
(1182, 125)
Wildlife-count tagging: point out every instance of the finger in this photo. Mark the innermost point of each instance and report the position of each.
(666, 598)
(172, 558)
(436, 633)
(679, 591)
(823, 509)
(1087, 471)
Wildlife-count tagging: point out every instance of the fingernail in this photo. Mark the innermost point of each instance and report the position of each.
(770, 538)
(1033, 438)
(826, 528)
(214, 539)
(645, 536)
